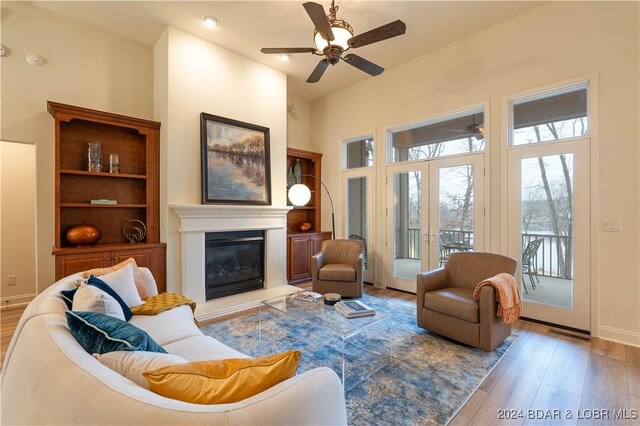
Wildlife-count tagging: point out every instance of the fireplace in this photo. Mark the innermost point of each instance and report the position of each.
(234, 263)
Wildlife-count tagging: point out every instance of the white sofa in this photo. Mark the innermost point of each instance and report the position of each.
(48, 378)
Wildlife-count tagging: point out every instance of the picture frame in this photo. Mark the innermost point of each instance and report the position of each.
(236, 165)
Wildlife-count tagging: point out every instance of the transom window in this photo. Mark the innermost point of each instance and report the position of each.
(552, 115)
(454, 134)
(359, 153)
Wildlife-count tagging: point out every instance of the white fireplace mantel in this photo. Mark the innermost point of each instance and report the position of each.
(196, 220)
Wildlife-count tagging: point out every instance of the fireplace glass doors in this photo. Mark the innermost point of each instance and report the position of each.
(234, 263)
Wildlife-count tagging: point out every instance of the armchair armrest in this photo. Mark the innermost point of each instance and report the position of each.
(318, 260)
(431, 281)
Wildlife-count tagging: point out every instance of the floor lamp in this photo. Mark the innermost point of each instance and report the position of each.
(299, 195)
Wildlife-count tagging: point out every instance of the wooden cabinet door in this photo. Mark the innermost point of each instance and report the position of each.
(67, 265)
(299, 255)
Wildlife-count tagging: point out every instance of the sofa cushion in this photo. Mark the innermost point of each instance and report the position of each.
(132, 364)
(202, 348)
(223, 381)
(122, 282)
(90, 298)
(99, 333)
(68, 295)
(454, 301)
(337, 272)
(168, 326)
(137, 275)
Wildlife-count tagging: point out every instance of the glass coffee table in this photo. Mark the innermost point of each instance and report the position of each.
(325, 317)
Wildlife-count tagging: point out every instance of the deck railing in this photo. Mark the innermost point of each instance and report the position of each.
(553, 258)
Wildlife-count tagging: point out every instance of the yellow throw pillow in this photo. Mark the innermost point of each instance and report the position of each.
(222, 381)
(137, 276)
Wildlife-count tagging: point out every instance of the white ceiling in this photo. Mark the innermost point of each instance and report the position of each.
(247, 26)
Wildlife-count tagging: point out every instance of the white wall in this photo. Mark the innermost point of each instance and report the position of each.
(85, 66)
(18, 220)
(551, 43)
(194, 76)
(299, 124)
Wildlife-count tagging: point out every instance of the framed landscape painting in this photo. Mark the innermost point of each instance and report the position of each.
(235, 161)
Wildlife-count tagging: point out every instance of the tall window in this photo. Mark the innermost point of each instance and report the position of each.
(451, 135)
(554, 115)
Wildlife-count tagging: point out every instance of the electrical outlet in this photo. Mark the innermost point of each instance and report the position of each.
(11, 280)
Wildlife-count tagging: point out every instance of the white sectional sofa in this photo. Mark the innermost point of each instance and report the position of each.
(48, 378)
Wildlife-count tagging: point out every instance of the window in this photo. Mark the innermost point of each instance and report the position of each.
(359, 153)
(548, 116)
(455, 134)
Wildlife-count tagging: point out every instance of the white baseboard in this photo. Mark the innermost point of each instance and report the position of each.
(21, 299)
(620, 336)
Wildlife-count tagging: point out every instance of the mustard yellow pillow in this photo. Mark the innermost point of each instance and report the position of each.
(222, 381)
(137, 275)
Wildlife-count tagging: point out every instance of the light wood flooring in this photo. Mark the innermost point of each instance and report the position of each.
(542, 375)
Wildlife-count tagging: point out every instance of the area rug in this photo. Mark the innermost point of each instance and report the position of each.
(396, 372)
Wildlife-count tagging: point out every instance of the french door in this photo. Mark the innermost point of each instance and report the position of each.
(548, 230)
(434, 208)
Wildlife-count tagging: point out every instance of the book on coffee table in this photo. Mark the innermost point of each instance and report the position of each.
(354, 309)
(307, 296)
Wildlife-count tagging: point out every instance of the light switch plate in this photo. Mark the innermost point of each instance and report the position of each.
(612, 225)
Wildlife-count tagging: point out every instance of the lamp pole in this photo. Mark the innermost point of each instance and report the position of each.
(333, 216)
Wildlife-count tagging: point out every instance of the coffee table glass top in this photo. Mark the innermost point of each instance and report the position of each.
(324, 316)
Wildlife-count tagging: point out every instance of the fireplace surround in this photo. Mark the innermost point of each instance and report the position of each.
(196, 220)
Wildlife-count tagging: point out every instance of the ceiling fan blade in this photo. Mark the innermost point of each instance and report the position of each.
(319, 18)
(287, 50)
(318, 71)
(363, 65)
(392, 29)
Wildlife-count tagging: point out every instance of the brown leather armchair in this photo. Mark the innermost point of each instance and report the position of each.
(337, 268)
(446, 305)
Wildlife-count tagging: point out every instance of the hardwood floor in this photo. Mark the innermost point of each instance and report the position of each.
(541, 379)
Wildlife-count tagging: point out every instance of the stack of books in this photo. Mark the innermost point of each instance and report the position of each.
(354, 309)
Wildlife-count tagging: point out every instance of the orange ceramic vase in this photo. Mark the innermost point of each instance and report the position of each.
(83, 235)
(305, 227)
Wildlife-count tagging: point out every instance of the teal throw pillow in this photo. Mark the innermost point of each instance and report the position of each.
(67, 295)
(99, 334)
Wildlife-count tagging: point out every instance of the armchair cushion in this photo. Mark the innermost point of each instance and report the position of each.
(455, 301)
(337, 272)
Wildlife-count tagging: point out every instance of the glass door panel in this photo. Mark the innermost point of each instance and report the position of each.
(547, 229)
(357, 212)
(407, 203)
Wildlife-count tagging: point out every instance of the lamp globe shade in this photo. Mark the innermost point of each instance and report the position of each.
(299, 194)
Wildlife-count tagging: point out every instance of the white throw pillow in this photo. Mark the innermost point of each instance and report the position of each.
(90, 298)
(131, 364)
(122, 282)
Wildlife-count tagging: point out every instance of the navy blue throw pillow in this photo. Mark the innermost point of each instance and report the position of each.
(67, 295)
(99, 333)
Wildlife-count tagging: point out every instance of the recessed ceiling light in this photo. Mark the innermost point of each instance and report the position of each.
(210, 21)
(285, 57)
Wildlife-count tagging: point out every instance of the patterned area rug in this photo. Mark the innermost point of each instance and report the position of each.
(396, 373)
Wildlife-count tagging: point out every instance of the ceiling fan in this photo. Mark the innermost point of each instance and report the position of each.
(334, 36)
(473, 129)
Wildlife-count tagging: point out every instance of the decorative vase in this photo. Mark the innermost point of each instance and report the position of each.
(291, 178)
(305, 227)
(82, 235)
(297, 171)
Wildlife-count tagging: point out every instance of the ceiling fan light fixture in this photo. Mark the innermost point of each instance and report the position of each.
(342, 32)
(285, 57)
